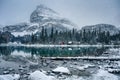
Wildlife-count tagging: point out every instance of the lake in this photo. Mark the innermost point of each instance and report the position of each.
(53, 51)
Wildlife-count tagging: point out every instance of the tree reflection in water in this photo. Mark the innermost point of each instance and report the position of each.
(55, 51)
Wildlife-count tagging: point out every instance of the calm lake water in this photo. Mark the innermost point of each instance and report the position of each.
(53, 51)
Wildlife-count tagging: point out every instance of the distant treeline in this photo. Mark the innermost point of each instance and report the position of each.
(63, 37)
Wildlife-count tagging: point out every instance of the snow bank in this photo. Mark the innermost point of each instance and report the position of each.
(14, 43)
(76, 78)
(115, 50)
(82, 68)
(113, 70)
(61, 70)
(37, 75)
(10, 77)
(104, 75)
(20, 53)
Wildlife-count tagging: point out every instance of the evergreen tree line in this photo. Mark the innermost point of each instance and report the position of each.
(63, 37)
(83, 36)
(6, 37)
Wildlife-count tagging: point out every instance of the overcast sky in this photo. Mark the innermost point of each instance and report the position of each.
(81, 12)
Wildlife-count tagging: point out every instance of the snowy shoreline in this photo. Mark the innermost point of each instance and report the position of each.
(56, 70)
(55, 45)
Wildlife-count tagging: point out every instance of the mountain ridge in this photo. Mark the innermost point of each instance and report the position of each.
(45, 17)
(102, 28)
(42, 16)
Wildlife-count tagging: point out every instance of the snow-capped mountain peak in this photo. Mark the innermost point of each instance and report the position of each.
(42, 8)
(42, 16)
(43, 13)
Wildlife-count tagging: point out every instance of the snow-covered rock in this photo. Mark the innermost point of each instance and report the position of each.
(37, 75)
(80, 68)
(113, 70)
(104, 75)
(10, 77)
(61, 70)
